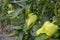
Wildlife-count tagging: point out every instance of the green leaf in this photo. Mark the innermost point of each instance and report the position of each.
(42, 37)
(23, 1)
(18, 10)
(20, 36)
(15, 33)
(19, 1)
(6, 2)
(34, 29)
(17, 27)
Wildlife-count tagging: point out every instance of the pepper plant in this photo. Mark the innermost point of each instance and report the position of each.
(28, 18)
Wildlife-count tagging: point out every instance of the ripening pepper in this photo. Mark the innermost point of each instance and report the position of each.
(31, 20)
(27, 11)
(11, 9)
(10, 6)
(48, 28)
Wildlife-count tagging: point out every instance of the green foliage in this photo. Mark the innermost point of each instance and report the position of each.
(20, 36)
(42, 37)
(17, 13)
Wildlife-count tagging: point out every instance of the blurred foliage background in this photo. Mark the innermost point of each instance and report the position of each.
(13, 14)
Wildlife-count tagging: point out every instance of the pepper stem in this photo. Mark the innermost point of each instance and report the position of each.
(54, 21)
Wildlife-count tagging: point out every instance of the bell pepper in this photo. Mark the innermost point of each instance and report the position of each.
(48, 28)
(31, 20)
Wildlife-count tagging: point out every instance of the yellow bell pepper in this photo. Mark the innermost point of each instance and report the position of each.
(31, 20)
(48, 28)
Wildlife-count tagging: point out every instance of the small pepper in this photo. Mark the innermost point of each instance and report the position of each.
(11, 9)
